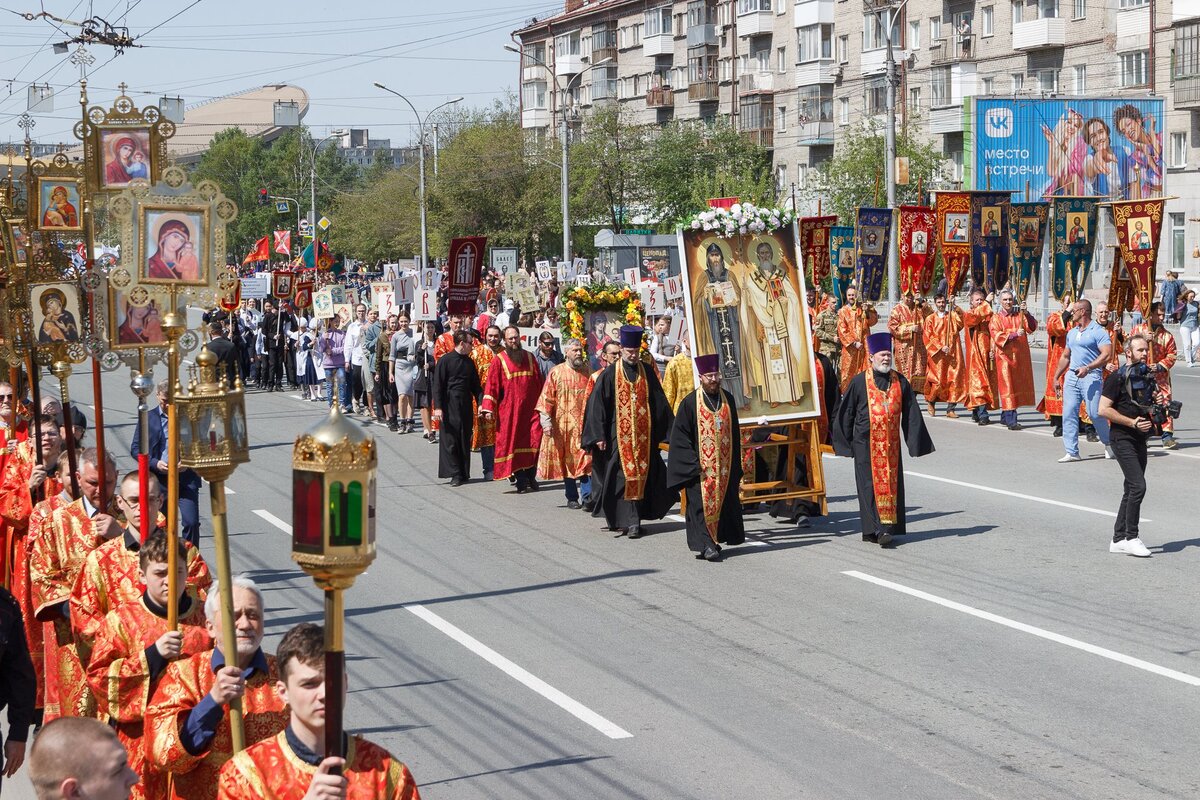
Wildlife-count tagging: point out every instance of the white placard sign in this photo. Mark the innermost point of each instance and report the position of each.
(583, 279)
(633, 276)
(385, 302)
(379, 288)
(673, 287)
(566, 271)
(424, 305)
(653, 300)
(256, 287)
(403, 289)
(322, 306)
(520, 289)
(529, 337)
(431, 278)
(544, 272)
(391, 272)
(678, 326)
(338, 293)
(504, 259)
(580, 265)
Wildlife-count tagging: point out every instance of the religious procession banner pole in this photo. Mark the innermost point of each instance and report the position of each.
(174, 324)
(141, 385)
(89, 238)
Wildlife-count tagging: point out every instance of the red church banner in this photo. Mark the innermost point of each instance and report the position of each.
(1138, 224)
(954, 234)
(466, 273)
(918, 249)
(814, 246)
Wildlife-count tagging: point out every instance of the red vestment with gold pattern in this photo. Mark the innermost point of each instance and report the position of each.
(564, 399)
(182, 686)
(908, 344)
(271, 770)
(35, 629)
(16, 464)
(511, 394)
(981, 374)
(123, 680)
(1164, 351)
(485, 427)
(946, 378)
(853, 325)
(1014, 367)
(1056, 343)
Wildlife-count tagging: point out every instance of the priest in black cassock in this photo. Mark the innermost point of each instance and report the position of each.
(705, 461)
(877, 410)
(455, 386)
(627, 417)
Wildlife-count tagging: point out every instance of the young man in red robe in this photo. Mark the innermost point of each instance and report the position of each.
(854, 322)
(291, 764)
(945, 378)
(1057, 325)
(133, 647)
(877, 416)
(981, 373)
(513, 387)
(906, 323)
(1010, 329)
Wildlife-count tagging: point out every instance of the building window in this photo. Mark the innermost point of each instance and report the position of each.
(753, 6)
(535, 55)
(874, 37)
(756, 115)
(1179, 150)
(781, 118)
(658, 22)
(1133, 3)
(801, 176)
(604, 37)
(1078, 9)
(939, 87)
(534, 95)
(814, 42)
(1178, 232)
(1134, 68)
(1047, 81)
(1018, 8)
(1187, 51)
(1080, 82)
(604, 82)
(914, 99)
(876, 97)
(843, 110)
(814, 104)
(781, 60)
(567, 45)
(700, 12)
(1018, 82)
(988, 85)
(986, 20)
(935, 29)
(1047, 9)
(843, 49)
(914, 34)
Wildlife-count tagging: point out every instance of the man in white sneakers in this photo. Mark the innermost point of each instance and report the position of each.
(1126, 401)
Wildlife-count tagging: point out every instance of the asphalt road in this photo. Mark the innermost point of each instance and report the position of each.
(505, 647)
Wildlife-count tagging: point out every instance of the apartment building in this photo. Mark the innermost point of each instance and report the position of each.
(793, 73)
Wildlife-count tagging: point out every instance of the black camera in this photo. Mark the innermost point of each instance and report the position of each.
(1161, 412)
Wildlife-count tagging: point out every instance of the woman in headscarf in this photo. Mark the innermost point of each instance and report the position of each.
(175, 258)
(116, 171)
(142, 325)
(60, 213)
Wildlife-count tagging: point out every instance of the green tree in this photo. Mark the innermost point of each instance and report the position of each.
(606, 164)
(382, 221)
(850, 178)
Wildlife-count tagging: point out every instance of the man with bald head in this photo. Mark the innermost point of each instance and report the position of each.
(1088, 348)
(77, 757)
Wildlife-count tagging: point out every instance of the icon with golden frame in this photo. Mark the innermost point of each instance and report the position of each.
(56, 313)
(60, 206)
(123, 145)
(173, 246)
(135, 318)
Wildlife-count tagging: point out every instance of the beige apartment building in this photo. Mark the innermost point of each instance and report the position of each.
(793, 73)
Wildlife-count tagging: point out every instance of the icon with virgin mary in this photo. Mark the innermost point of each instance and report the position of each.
(173, 247)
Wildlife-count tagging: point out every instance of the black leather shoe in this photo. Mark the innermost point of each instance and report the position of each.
(870, 537)
(532, 485)
(884, 539)
(1016, 426)
(984, 421)
(712, 554)
(1057, 432)
(635, 532)
(457, 481)
(573, 505)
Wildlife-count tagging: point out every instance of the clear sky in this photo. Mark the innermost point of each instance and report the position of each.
(203, 49)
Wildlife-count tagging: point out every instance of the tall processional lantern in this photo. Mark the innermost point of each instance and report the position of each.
(333, 534)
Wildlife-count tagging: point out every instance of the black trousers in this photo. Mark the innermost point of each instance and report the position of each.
(289, 363)
(1131, 456)
(357, 393)
(273, 373)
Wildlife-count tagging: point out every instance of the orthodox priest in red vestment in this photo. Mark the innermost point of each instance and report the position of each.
(879, 414)
(513, 387)
(1010, 329)
(945, 378)
(1057, 325)
(981, 374)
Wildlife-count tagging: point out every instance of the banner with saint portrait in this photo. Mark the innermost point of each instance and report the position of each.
(954, 229)
(989, 243)
(1138, 224)
(1073, 244)
(1120, 288)
(814, 246)
(841, 256)
(744, 297)
(1026, 236)
(918, 249)
(872, 237)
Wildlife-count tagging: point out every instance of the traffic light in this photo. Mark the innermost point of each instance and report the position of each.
(263, 197)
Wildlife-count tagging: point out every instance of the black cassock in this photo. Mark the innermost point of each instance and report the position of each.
(792, 509)
(851, 430)
(683, 472)
(455, 385)
(600, 425)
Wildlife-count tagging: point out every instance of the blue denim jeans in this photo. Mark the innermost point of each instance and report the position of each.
(342, 384)
(575, 486)
(1008, 418)
(1084, 390)
(488, 456)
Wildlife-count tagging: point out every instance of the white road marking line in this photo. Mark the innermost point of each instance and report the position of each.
(295, 397)
(1112, 655)
(274, 520)
(676, 517)
(1018, 495)
(229, 491)
(521, 675)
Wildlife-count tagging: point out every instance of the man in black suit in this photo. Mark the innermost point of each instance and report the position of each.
(189, 481)
(221, 347)
(273, 340)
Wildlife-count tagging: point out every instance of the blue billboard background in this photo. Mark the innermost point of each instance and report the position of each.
(1069, 146)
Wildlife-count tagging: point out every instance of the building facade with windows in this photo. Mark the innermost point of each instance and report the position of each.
(793, 73)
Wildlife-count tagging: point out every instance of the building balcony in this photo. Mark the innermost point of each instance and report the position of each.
(1185, 9)
(763, 137)
(704, 92)
(568, 64)
(535, 117)
(755, 23)
(874, 62)
(661, 45)
(534, 72)
(601, 53)
(757, 83)
(814, 73)
(815, 133)
(813, 12)
(954, 50)
(660, 97)
(1187, 92)
(946, 120)
(1039, 34)
(877, 5)
(705, 35)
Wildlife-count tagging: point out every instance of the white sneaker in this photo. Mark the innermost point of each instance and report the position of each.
(1117, 547)
(1108, 452)
(1134, 547)
(1068, 458)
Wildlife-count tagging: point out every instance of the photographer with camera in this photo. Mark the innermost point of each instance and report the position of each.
(1128, 401)
(1160, 359)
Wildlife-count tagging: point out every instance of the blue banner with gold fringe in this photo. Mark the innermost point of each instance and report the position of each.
(1074, 243)
(872, 239)
(841, 259)
(1027, 236)
(989, 242)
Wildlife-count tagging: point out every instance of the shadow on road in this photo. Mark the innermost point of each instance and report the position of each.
(554, 762)
(1175, 547)
(921, 536)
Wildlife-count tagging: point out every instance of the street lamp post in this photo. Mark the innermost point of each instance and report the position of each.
(312, 223)
(565, 185)
(420, 162)
(889, 157)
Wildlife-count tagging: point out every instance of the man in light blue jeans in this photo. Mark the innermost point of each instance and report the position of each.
(1088, 349)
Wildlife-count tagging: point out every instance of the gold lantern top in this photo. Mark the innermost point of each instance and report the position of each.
(212, 433)
(333, 501)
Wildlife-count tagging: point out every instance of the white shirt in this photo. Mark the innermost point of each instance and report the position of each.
(353, 340)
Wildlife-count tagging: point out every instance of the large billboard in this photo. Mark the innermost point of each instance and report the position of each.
(1068, 146)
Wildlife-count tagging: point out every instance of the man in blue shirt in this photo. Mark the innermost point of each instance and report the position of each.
(1088, 349)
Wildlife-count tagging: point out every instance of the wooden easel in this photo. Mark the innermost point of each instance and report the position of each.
(802, 438)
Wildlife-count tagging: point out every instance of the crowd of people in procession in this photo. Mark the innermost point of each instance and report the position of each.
(86, 609)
